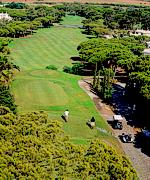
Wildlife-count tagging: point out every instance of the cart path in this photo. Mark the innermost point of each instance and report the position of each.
(140, 161)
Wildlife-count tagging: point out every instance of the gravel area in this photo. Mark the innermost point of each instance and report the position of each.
(140, 161)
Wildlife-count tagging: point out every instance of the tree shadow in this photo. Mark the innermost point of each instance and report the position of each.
(142, 142)
(85, 32)
(91, 37)
(91, 87)
(123, 105)
(75, 58)
(110, 122)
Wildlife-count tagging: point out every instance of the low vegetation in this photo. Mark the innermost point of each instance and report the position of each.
(52, 67)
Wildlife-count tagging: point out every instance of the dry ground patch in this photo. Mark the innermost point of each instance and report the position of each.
(139, 2)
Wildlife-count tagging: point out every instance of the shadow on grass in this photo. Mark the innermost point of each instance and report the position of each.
(63, 117)
(89, 125)
(75, 58)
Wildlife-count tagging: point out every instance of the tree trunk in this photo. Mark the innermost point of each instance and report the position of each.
(94, 78)
(98, 85)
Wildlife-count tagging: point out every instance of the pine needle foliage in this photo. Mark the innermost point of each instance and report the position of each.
(34, 147)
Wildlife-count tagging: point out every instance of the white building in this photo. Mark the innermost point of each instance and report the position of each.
(140, 32)
(107, 36)
(148, 44)
(5, 16)
(146, 51)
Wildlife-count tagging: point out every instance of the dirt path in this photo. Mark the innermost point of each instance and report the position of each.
(140, 161)
(140, 2)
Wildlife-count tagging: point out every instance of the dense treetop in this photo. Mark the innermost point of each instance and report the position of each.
(32, 146)
(6, 75)
(26, 20)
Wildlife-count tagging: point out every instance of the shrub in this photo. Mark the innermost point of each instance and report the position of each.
(52, 67)
(67, 69)
(75, 69)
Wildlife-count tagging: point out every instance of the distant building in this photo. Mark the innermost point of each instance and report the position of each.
(140, 32)
(146, 51)
(148, 44)
(107, 36)
(5, 16)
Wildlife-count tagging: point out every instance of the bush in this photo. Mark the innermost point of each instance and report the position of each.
(67, 69)
(52, 67)
(14, 5)
(75, 69)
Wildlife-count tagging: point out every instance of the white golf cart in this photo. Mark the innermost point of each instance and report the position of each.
(117, 122)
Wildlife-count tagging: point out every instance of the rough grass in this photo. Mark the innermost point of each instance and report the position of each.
(36, 88)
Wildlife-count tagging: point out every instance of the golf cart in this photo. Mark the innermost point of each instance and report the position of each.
(126, 138)
(117, 124)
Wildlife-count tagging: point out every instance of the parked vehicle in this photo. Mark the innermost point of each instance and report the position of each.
(117, 123)
(127, 138)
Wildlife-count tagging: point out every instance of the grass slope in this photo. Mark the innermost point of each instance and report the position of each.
(36, 88)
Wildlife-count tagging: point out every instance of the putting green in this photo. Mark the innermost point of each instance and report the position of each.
(36, 88)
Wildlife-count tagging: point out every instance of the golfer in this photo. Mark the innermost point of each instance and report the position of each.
(66, 115)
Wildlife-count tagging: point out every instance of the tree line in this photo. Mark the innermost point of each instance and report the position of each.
(25, 21)
(122, 50)
(113, 16)
(6, 75)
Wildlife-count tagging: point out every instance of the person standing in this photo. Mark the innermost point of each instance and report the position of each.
(92, 122)
(66, 115)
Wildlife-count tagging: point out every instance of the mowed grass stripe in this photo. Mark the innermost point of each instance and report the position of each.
(26, 58)
(63, 46)
(36, 88)
(39, 94)
(74, 20)
(61, 43)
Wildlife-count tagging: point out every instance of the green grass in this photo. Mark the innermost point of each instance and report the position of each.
(72, 20)
(36, 88)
